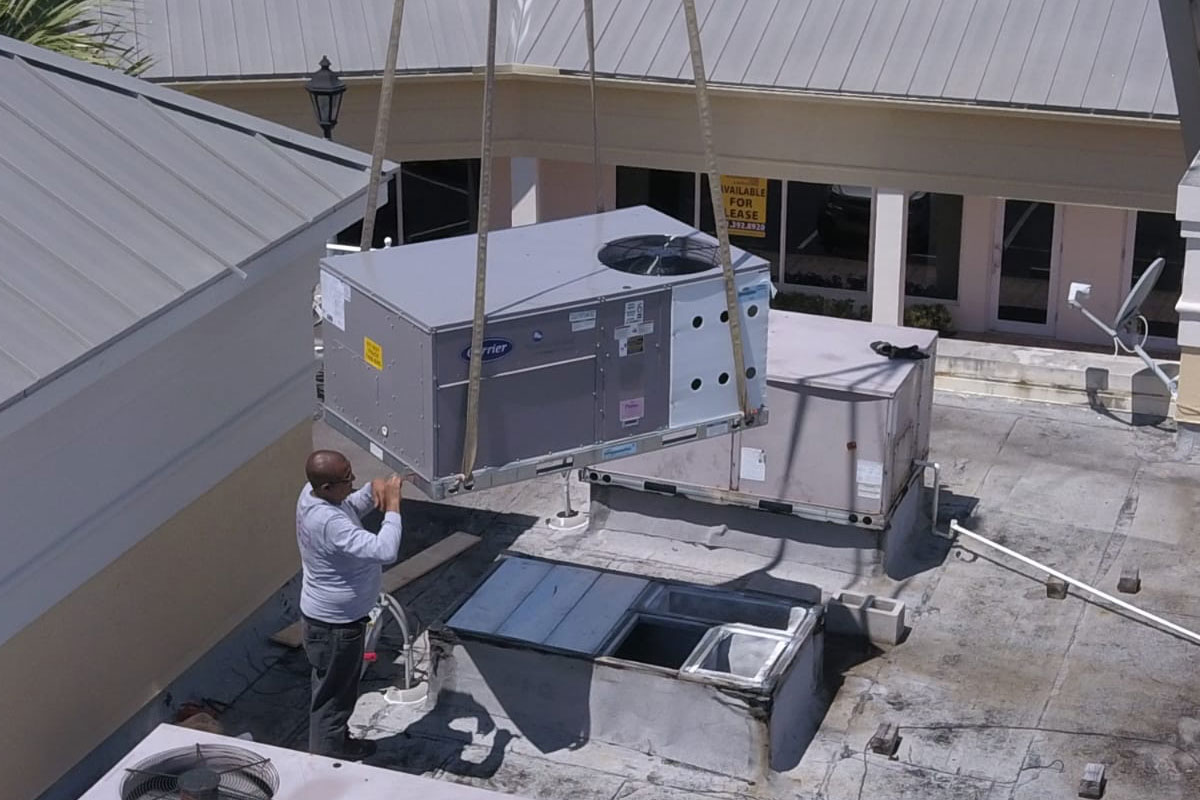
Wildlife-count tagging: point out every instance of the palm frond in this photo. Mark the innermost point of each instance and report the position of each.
(96, 31)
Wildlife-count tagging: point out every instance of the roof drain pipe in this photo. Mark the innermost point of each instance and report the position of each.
(955, 528)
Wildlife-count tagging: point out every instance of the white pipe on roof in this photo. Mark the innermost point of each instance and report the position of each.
(1171, 626)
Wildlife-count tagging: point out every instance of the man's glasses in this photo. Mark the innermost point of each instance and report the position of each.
(343, 480)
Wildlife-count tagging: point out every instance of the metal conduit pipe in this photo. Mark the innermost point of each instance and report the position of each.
(1146, 615)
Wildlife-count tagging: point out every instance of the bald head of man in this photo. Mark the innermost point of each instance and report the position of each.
(330, 475)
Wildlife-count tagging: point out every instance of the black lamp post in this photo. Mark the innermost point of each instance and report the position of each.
(325, 89)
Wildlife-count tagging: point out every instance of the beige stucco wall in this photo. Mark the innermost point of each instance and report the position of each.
(80, 670)
(971, 313)
(566, 188)
(1188, 402)
(1093, 251)
(985, 152)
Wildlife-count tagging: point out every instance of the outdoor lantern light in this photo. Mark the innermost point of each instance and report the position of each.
(325, 89)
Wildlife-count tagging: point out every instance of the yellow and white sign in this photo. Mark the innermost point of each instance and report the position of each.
(745, 205)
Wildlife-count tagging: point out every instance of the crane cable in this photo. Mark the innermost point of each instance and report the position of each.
(590, 15)
(382, 121)
(474, 376)
(718, 207)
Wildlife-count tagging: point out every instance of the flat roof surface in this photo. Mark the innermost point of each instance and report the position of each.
(999, 692)
(831, 353)
(532, 267)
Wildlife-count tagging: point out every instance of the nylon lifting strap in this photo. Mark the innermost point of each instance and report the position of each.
(474, 376)
(718, 207)
(381, 127)
(590, 17)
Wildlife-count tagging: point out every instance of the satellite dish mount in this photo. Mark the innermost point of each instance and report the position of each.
(1124, 330)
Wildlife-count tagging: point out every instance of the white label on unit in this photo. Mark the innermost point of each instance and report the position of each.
(718, 429)
(582, 320)
(635, 311)
(869, 476)
(753, 464)
(334, 294)
(636, 329)
(632, 410)
(376, 450)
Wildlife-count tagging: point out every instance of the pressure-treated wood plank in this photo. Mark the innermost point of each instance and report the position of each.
(399, 576)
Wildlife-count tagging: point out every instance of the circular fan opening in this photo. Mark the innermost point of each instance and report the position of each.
(655, 254)
(203, 772)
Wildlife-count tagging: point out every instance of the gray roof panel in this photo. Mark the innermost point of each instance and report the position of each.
(1079, 54)
(812, 32)
(905, 51)
(1010, 51)
(1111, 68)
(1044, 53)
(873, 48)
(771, 53)
(189, 39)
(747, 33)
(124, 197)
(1146, 64)
(1088, 55)
(975, 51)
(218, 22)
(250, 32)
(945, 41)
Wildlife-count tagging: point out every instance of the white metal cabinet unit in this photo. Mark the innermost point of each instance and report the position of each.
(846, 427)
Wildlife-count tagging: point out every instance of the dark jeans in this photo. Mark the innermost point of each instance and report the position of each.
(335, 651)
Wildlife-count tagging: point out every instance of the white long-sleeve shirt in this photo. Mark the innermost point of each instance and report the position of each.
(342, 561)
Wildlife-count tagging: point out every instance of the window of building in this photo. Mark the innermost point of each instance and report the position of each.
(672, 193)
(1026, 261)
(1156, 235)
(934, 245)
(385, 221)
(828, 236)
(440, 198)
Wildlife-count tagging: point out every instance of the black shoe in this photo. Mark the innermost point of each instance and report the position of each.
(356, 750)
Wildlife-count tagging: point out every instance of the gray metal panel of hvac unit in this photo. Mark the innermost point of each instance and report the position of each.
(846, 426)
(582, 362)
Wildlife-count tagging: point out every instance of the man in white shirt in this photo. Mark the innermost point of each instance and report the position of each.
(342, 565)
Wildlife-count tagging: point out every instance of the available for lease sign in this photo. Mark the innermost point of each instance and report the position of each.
(745, 205)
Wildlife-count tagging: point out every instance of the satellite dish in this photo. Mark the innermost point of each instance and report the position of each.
(1132, 307)
(655, 254)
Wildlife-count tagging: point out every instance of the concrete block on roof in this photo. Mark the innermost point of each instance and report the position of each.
(877, 619)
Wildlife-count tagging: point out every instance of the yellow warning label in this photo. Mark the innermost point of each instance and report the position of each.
(372, 353)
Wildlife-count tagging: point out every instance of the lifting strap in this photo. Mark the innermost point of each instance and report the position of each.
(597, 182)
(474, 376)
(718, 207)
(381, 127)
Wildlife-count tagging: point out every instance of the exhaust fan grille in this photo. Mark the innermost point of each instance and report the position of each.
(655, 254)
(203, 772)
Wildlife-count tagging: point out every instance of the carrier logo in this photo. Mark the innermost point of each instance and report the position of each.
(493, 349)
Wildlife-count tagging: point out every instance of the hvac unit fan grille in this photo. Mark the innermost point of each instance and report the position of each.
(202, 772)
(656, 254)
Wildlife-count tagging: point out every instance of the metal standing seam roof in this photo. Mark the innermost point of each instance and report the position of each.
(1096, 56)
(120, 197)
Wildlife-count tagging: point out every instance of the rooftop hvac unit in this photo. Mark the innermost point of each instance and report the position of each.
(848, 429)
(606, 336)
(175, 763)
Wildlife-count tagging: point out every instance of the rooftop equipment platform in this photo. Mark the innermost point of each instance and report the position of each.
(723, 680)
(606, 336)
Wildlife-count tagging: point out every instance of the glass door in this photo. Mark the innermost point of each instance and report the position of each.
(1025, 268)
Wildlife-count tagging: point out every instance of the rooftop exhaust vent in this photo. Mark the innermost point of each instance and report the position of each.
(655, 254)
(202, 772)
